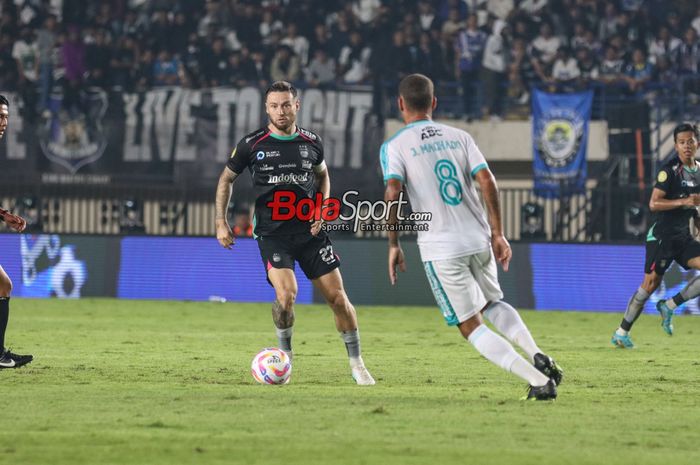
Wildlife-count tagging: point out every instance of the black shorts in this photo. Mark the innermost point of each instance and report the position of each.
(660, 254)
(314, 253)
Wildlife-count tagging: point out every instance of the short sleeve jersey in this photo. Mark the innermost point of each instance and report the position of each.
(678, 181)
(437, 163)
(279, 163)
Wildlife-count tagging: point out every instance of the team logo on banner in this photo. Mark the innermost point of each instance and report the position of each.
(74, 137)
(559, 142)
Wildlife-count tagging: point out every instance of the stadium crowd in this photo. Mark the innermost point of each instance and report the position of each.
(484, 45)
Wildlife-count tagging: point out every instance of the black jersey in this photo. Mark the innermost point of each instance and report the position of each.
(278, 163)
(678, 182)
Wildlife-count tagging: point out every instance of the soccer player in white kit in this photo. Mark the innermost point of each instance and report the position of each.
(439, 167)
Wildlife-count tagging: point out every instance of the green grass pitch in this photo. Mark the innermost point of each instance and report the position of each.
(142, 382)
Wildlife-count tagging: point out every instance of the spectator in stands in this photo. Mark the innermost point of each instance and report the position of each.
(98, 56)
(298, 43)
(26, 54)
(366, 10)
(122, 62)
(268, 24)
(688, 55)
(639, 72)
(73, 59)
(664, 44)
(609, 23)
(565, 71)
(143, 75)
(546, 45)
(166, 69)
(353, 63)
(321, 71)
(611, 67)
(236, 71)
(8, 65)
(430, 60)
(260, 68)
(426, 15)
(285, 65)
(452, 26)
(46, 42)
(469, 48)
(493, 70)
(214, 63)
(589, 67)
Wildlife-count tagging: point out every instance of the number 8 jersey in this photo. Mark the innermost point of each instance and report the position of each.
(437, 164)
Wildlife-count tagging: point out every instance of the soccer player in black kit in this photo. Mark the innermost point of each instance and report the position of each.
(283, 157)
(675, 199)
(17, 223)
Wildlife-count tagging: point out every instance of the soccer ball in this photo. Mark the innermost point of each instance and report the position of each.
(271, 366)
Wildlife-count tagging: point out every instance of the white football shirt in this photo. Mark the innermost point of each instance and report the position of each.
(437, 163)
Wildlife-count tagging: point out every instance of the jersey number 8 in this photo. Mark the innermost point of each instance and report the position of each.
(450, 187)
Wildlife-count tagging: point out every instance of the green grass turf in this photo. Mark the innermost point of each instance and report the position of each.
(141, 382)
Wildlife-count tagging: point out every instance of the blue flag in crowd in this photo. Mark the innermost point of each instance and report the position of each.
(559, 141)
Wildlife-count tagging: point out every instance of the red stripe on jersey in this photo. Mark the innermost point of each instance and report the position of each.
(653, 266)
(258, 141)
(269, 265)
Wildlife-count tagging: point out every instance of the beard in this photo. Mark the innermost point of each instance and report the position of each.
(283, 126)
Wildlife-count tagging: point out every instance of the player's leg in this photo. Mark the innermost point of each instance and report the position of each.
(621, 337)
(655, 266)
(320, 264)
(279, 265)
(7, 358)
(285, 284)
(330, 285)
(461, 301)
(690, 258)
(505, 318)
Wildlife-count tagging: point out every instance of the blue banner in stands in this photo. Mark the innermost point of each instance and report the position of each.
(559, 141)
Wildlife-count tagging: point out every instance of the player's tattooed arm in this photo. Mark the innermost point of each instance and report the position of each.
(282, 319)
(223, 195)
(499, 244)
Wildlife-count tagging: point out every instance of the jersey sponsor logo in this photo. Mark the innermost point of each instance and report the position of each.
(662, 177)
(306, 165)
(257, 134)
(685, 183)
(290, 178)
(308, 134)
(430, 131)
(264, 168)
(260, 155)
(304, 151)
(559, 142)
(288, 165)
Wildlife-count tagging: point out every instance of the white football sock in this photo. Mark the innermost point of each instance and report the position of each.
(621, 332)
(499, 352)
(507, 320)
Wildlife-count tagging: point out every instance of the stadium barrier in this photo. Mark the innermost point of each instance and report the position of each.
(543, 276)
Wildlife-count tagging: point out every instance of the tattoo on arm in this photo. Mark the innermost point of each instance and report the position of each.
(223, 192)
(282, 319)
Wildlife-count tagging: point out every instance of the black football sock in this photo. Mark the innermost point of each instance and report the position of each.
(4, 316)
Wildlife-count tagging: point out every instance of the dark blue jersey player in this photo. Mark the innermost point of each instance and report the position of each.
(675, 200)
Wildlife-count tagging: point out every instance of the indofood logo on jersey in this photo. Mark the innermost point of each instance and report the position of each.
(73, 137)
(289, 178)
(559, 141)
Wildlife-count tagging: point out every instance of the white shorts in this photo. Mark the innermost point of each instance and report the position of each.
(462, 286)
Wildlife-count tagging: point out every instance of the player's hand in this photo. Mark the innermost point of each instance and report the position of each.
(396, 258)
(316, 226)
(502, 251)
(15, 222)
(224, 234)
(693, 200)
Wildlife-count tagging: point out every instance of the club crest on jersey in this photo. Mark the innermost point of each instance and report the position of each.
(276, 258)
(304, 151)
(73, 139)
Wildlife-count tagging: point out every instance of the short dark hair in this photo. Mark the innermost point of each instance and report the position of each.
(417, 91)
(4, 101)
(686, 127)
(281, 86)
